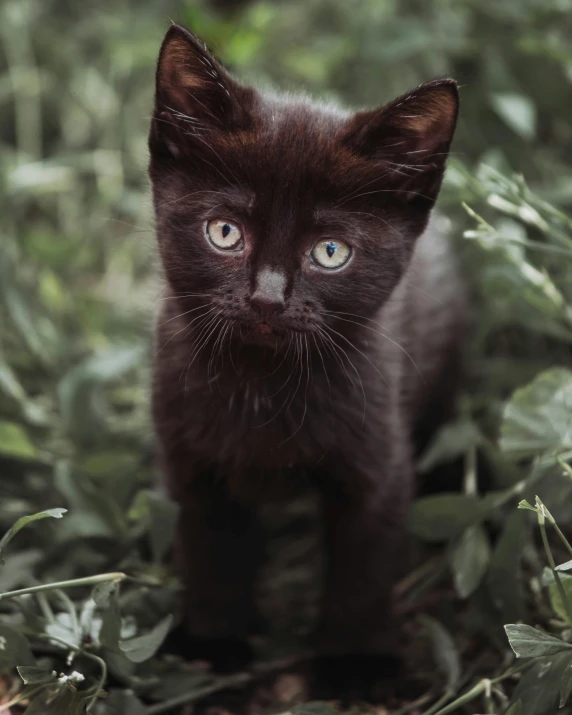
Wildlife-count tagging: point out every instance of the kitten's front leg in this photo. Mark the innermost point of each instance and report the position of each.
(357, 640)
(217, 549)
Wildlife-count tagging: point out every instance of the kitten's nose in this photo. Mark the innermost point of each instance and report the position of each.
(269, 294)
(267, 305)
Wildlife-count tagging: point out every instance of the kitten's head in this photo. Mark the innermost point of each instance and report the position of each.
(280, 213)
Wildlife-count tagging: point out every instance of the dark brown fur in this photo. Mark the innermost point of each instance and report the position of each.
(267, 365)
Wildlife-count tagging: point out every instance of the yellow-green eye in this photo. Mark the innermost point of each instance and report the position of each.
(331, 254)
(224, 235)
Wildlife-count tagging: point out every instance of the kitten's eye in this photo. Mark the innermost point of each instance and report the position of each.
(331, 254)
(224, 235)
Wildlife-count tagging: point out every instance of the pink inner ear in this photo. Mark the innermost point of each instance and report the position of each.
(429, 116)
(181, 69)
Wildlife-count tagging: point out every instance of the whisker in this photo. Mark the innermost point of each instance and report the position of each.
(206, 333)
(331, 347)
(308, 366)
(323, 363)
(383, 335)
(378, 218)
(180, 315)
(343, 337)
(338, 347)
(183, 328)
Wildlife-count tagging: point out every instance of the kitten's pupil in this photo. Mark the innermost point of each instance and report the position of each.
(225, 230)
(331, 248)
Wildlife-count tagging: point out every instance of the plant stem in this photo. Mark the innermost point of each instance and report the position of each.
(562, 537)
(46, 608)
(436, 707)
(478, 689)
(102, 679)
(87, 581)
(471, 694)
(543, 514)
(471, 471)
(68, 603)
(79, 651)
(232, 681)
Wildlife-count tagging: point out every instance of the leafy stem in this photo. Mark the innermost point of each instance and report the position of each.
(543, 515)
(80, 651)
(116, 576)
(481, 688)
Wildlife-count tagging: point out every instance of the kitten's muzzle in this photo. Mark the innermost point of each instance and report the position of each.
(266, 305)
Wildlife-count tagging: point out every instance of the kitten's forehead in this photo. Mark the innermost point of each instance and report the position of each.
(282, 111)
(294, 148)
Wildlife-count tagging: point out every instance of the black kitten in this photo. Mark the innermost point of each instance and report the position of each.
(311, 323)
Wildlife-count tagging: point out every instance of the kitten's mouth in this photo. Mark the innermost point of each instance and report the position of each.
(262, 334)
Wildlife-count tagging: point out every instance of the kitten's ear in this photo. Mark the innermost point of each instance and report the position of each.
(410, 137)
(194, 92)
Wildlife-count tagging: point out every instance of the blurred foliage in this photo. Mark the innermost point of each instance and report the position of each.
(77, 290)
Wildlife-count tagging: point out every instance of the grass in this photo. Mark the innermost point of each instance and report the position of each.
(77, 290)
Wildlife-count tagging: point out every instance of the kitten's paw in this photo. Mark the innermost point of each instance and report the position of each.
(353, 678)
(224, 654)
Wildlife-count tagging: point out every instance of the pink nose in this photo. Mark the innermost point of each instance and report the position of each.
(267, 304)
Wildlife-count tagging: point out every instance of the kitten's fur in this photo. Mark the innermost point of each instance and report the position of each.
(267, 365)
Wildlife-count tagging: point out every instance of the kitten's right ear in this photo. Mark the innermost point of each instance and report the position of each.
(194, 93)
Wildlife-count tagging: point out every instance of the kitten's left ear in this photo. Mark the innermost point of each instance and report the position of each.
(410, 137)
(194, 93)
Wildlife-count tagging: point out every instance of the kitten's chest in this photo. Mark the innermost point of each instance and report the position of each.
(280, 423)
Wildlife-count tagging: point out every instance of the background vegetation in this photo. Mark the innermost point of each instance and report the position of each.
(77, 288)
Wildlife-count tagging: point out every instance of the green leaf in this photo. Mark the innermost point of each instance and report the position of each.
(163, 514)
(444, 516)
(66, 702)
(558, 606)
(528, 642)
(102, 593)
(81, 394)
(538, 688)
(14, 442)
(110, 631)
(504, 580)
(14, 648)
(90, 513)
(444, 650)
(517, 111)
(469, 560)
(515, 709)
(526, 506)
(537, 417)
(144, 647)
(9, 383)
(24, 521)
(18, 568)
(31, 675)
(566, 685)
(451, 441)
(124, 702)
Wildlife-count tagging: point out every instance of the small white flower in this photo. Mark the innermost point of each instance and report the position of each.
(74, 677)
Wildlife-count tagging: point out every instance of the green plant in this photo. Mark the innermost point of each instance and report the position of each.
(77, 289)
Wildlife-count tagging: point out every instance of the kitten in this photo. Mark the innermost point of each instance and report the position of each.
(312, 322)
